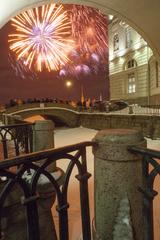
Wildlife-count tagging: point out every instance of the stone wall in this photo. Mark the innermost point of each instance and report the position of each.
(150, 125)
(155, 99)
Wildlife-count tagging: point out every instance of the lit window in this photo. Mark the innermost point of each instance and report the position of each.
(128, 37)
(116, 42)
(131, 83)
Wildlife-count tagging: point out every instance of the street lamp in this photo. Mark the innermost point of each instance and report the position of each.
(68, 84)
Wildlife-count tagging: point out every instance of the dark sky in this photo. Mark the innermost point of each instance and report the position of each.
(45, 84)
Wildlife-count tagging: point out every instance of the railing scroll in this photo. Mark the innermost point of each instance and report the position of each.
(32, 166)
(16, 139)
(151, 168)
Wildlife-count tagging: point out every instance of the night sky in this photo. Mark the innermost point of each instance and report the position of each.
(51, 85)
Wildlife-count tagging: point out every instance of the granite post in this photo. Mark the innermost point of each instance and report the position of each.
(43, 138)
(117, 173)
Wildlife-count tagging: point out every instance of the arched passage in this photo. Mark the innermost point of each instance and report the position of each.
(142, 15)
(58, 121)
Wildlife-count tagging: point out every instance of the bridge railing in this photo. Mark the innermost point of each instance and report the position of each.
(37, 105)
(16, 139)
(37, 163)
(99, 107)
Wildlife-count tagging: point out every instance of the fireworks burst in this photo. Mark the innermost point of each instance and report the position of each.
(89, 29)
(42, 37)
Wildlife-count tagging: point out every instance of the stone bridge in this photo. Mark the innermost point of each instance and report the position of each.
(148, 124)
(57, 112)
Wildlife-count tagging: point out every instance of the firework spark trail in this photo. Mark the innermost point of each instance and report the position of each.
(89, 28)
(42, 37)
(20, 68)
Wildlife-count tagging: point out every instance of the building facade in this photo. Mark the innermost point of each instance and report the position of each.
(133, 70)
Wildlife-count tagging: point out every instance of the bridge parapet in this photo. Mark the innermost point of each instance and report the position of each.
(37, 105)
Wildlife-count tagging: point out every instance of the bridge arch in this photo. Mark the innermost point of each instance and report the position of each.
(68, 116)
(144, 23)
(58, 121)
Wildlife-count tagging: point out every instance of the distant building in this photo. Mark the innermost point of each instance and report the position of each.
(133, 70)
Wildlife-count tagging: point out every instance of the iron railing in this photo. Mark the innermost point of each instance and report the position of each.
(16, 139)
(151, 168)
(76, 157)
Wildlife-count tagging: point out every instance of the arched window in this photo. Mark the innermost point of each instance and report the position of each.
(131, 83)
(116, 42)
(130, 64)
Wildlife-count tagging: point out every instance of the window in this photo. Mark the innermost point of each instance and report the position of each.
(130, 64)
(116, 42)
(128, 37)
(131, 83)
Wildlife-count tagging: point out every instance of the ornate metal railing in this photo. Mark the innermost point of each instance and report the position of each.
(151, 168)
(37, 163)
(16, 139)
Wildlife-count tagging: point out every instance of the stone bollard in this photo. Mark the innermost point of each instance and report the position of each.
(43, 138)
(117, 173)
(130, 109)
